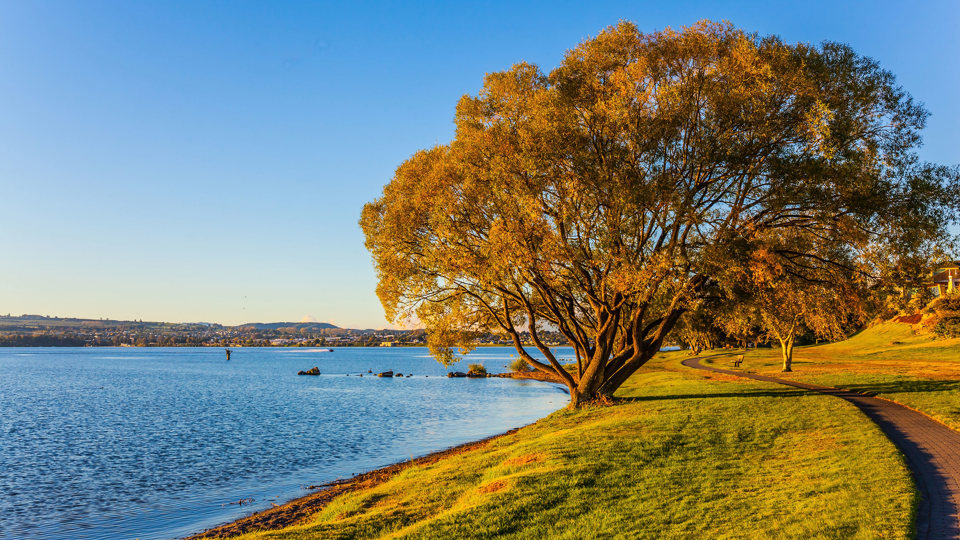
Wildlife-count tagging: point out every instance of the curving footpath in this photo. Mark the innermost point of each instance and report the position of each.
(931, 450)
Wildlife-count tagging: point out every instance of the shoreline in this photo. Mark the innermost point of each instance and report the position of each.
(300, 508)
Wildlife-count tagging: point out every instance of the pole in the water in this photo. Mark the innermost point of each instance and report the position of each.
(228, 354)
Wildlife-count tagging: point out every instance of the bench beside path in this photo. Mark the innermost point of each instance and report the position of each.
(931, 450)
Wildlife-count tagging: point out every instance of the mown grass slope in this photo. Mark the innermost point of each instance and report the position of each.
(887, 360)
(683, 455)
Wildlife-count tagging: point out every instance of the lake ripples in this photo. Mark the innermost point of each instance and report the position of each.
(161, 443)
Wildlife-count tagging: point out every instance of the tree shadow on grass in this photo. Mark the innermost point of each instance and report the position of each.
(921, 440)
(787, 392)
(906, 385)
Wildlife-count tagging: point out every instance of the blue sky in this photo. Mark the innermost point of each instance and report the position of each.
(207, 161)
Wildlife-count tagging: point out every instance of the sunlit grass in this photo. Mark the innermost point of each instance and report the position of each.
(886, 360)
(683, 455)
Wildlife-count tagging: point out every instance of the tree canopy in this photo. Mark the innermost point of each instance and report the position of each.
(824, 299)
(603, 199)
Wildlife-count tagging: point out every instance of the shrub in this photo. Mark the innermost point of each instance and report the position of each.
(477, 369)
(948, 305)
(947, 310)
(520, 365)
(948, 328)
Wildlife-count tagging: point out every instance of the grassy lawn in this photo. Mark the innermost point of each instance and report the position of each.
(886, 360)
(684, 455)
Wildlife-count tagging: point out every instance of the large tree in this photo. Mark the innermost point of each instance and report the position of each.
(602, 199)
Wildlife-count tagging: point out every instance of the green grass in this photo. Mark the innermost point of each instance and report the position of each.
(683, 455)
(886, 360)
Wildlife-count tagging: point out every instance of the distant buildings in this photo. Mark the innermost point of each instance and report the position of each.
(945, 279)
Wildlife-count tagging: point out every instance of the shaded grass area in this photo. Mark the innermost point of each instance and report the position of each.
(680, 455)
(886, 360)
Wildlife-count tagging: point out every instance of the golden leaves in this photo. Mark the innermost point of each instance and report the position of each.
(817, 120)
(642, 167)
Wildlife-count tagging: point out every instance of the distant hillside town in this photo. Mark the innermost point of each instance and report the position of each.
(43, 331)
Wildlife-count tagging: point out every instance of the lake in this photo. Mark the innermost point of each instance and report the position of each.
(158, 442)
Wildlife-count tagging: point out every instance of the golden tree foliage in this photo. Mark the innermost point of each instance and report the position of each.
(599, 200)
(822, 299)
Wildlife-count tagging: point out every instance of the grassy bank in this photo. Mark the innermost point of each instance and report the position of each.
(683, 455)
(886, 360)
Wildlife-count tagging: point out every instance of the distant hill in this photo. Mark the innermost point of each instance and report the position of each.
(298, 326)
(39, 322)
(43, 322)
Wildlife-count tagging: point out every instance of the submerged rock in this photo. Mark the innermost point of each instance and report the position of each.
(399, 375)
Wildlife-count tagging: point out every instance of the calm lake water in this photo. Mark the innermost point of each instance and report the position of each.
(157, 442)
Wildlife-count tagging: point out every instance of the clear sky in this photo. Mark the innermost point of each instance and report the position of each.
(207, 161)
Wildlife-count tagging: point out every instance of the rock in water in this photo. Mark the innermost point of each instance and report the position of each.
(385, 374)
(312, 371)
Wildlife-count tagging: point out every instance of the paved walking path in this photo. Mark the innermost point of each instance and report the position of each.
(931, 449)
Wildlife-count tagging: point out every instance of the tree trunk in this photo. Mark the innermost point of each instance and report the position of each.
(786, 347)
(603, 372)
(590, 384)
(575, 399)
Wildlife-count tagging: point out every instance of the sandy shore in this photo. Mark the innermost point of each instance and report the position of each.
(299, 509)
